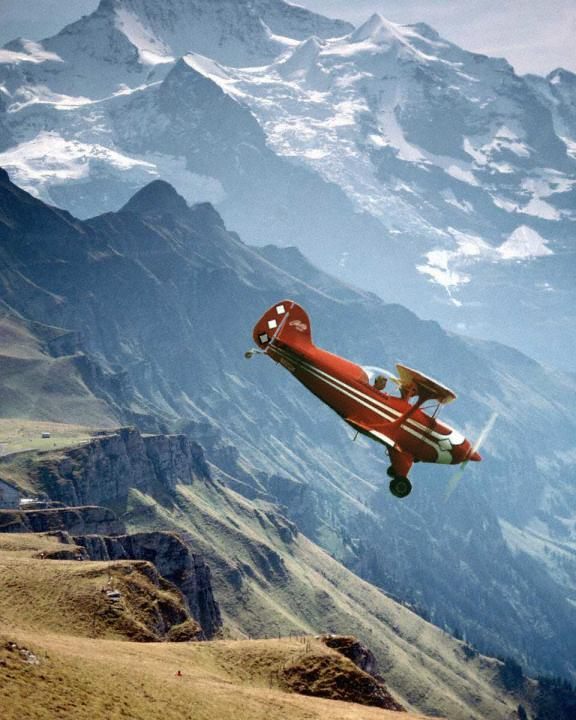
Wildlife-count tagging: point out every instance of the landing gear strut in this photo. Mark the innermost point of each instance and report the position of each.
(400, 486)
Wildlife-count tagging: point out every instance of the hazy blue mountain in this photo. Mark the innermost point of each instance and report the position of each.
(165, 293)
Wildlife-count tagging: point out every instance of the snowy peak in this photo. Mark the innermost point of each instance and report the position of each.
(233, 32)
(425, 31)
(378, 31)
(369, 29)
(126, 44)
(560, 75)
(301, 60)
(27, 51)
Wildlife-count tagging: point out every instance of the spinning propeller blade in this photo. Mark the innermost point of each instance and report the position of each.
(455, 479)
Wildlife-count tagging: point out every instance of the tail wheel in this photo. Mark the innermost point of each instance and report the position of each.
(400, 487)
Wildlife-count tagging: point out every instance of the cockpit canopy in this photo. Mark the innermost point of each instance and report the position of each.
(411, 383)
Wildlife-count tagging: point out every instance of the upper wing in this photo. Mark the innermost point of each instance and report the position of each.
(416, 383)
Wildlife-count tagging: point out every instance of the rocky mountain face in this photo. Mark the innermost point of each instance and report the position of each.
(85, 520)
(468, 166)
(164, 292)
(112, 466)
(174, 562)
(125, 44)
(440, 179)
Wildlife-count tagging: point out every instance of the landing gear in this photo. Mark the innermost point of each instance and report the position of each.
(400, 486)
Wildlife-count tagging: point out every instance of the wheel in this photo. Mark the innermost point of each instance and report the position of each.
(390, 472)
(400, 487)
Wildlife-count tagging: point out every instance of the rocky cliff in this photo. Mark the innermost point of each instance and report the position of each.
(96, 533)
(104, 470)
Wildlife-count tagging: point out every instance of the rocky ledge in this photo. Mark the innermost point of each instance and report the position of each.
(85, 520)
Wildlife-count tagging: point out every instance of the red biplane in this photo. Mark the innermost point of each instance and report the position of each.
(358, 394)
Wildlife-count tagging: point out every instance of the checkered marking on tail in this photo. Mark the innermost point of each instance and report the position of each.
(272, 324)
(280, 309)
(263, 338)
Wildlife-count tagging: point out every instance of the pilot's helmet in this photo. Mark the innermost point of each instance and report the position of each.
(380, 382)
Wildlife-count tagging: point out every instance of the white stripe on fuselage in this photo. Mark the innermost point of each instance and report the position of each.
(458, 439)
(385, 411)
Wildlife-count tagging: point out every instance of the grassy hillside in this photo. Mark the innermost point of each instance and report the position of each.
(19, 434)
(22, 444)
(54, 661)
(268, 585)
(34, 384)
(271, 581)
(89, 679)
(39, 593)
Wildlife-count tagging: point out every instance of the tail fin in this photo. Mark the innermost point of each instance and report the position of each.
(285, 321)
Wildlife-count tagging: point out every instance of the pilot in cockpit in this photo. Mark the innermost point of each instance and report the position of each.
(380, 382)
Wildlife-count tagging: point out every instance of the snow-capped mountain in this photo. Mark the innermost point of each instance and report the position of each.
(469, 164)
(127, 43)
(431, 175)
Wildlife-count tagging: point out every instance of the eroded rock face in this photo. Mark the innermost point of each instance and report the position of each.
(86, 520)
(174, 562)
(103, 471)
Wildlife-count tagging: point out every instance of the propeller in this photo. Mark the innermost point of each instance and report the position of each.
(455, 479)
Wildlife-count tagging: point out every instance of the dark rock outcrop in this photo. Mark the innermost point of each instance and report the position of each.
(354, 650)
(337, 678)
(86, 520)
(174, 562)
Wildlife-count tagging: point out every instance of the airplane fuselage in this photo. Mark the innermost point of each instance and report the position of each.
(344, 387)
(409, 433)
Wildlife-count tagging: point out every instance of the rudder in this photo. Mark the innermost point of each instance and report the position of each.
(285, 321)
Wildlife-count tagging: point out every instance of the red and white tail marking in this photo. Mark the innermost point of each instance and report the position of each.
(285, 321)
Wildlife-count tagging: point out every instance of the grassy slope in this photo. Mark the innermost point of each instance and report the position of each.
(68, 596)
(268, 587)
(89, 679)
(302, 589)
(35, 385)
(18, 435)
(49, 667)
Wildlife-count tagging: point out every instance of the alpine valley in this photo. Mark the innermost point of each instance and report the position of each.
(172, 170)
(433, 176)
(142, 317)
